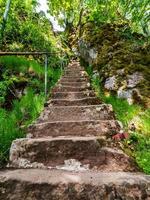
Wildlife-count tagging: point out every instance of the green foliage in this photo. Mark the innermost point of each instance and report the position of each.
(20, 64)
(22, 79)
(141, 146)
(26, 29)
(67, 12)
(142, 154)
(23, 113)
(124, 112)
(8, 132)
(24, 110)
(135, 13)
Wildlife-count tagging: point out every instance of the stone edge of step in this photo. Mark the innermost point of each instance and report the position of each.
(19, 146)
(53, 100)
(74, 121)
(54, 176)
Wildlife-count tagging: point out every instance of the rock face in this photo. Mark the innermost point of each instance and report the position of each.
(69, 154)
(122, 66)
(111, 83)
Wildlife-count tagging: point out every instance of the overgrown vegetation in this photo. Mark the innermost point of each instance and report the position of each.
(138, 145)
(22, 97)
(74, 13)
(23, 113)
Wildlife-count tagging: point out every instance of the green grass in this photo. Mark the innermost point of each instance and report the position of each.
(9, 131)
(125, 113)
(26, 109)
(20, 64)
(24, 112)
(142, 153)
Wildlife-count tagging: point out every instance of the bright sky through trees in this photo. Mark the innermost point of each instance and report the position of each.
(44, 7)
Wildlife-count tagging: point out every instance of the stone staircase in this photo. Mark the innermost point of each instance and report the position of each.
(68, 152)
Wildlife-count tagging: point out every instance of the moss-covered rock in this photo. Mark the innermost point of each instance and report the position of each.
(120, 54)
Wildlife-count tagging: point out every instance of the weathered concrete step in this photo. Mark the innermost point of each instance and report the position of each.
(36, 184)
(72, 95)
(77, 113)
(70, 89)
(57, 152)
(76, 102)
(71, 128)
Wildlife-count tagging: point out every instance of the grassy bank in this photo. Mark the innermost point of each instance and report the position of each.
(21, 97)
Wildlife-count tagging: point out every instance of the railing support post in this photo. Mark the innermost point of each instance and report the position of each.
(46, 72)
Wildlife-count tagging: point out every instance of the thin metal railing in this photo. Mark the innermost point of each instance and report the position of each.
(46, 54)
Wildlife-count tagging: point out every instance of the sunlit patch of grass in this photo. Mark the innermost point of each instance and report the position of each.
(124, 112)
(20, 64)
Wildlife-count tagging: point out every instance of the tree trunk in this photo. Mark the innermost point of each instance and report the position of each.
(80, 22)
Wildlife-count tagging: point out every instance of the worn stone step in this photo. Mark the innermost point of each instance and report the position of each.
(78, 128)
(72, 70)
(77, 113)
(72, 95)
(76, 67)
(57, 152)
(73, 84)
(38, 184)
(75, 73)
(74, 79)
(70, 89)
(76, 102)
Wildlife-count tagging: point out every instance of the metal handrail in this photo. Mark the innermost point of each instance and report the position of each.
(46, 54)
(28, 53)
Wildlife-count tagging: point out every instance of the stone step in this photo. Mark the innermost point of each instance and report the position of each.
(75, 73)
(76, 102)
(38, 184)
(72, 70)
(77, 113)
(78, 128)
(77, 67)
(72, 95)
(75, 79)
(70, 89)
(57, 152)
(73, 84)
